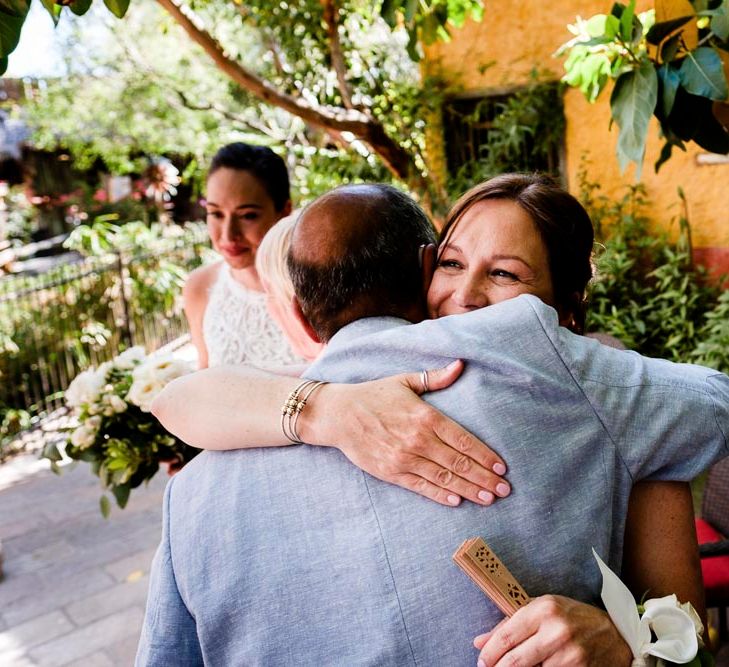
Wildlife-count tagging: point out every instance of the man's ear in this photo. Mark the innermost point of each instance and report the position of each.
(428, 256)
(287, 208)
(305, 324)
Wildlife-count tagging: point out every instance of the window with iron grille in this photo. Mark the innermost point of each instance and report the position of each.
(518, 131)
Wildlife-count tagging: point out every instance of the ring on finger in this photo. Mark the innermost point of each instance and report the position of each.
(424, 381)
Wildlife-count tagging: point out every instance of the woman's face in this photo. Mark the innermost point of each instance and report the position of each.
(494, 253)
(239, 213)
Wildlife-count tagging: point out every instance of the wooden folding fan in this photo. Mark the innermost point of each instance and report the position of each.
(480, 563)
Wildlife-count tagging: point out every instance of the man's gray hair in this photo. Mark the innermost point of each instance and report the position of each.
(378, 276)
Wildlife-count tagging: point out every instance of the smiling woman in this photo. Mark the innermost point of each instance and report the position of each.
(477, 268)
(247, 193)
(514, 234)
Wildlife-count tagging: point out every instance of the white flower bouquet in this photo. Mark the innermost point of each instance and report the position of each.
(116, 433)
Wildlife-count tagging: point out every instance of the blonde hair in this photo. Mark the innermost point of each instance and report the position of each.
(271, 260)
(276, 280)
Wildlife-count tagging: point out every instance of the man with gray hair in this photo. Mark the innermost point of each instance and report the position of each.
(291, 555)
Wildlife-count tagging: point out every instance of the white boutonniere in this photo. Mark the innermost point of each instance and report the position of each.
(660, 631)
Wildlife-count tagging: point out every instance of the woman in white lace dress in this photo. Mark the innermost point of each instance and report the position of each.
(247, 192)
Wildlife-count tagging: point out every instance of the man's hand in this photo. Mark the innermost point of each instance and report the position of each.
(385, 429)
(554, 631)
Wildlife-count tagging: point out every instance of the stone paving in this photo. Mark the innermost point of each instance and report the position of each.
(75, 583)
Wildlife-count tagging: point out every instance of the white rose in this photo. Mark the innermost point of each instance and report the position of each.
(104, 368)
(85, 388)
(143, 391)
(117, 403)
(83, 437)
(165, 368)
(150, 377)
(130, 358)
(93, 423)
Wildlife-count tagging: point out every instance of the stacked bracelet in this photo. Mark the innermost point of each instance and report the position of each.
(293, 407)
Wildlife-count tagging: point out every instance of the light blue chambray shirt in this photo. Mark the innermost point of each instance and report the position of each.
(293, 556)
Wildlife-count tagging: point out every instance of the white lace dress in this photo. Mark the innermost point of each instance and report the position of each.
(238, 328)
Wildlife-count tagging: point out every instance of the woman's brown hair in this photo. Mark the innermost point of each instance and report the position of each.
(563, 224)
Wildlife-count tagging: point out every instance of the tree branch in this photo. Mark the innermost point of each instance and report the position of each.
(229, 115)
(277, 62)
(335, 50)
(180, 99)
(344, 120)
(332, 120)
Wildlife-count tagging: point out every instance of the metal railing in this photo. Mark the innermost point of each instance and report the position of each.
(54, 325)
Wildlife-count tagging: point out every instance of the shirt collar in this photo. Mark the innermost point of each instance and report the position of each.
(363, 327)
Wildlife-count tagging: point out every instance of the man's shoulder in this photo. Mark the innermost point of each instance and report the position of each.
(209, 474)
(526, 314)
(516, 329)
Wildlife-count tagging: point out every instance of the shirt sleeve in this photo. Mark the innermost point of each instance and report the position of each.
(668, 421)
(694, 434)
(169, 633)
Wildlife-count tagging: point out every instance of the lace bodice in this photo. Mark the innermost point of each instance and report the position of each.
(237, 327)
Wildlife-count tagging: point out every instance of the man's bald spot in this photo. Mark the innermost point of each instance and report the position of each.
(336, 222)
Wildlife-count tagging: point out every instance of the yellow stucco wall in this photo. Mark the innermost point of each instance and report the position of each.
(515, 37)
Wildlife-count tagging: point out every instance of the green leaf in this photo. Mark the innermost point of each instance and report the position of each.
(411, 7)
(632, 104)
(53, 9)
(670, 47)
(702, 74)
(121, 493)
(105, 507)
(429, 28)
(596, 26)
(388, 11)
(117, 7)
(12, 17)
(710, 133)
(594, 71)
(50, 452)
(476, 9)
(670, 81)
(457, 12)
(617, 10)
(720, 22)
(3, 65)
(412, 46)
(661, 30)
(80, 7)
(612, 27)
(671, 141)
(626, 22)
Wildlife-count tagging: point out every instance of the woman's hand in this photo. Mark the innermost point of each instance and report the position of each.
(385, 429)
(553, 630)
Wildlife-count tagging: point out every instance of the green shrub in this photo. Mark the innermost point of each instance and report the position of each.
(126, 291)
(525, 134)
(648, 292)
(12, 422)
(713, 348)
